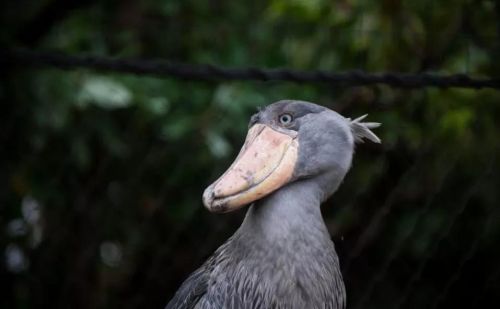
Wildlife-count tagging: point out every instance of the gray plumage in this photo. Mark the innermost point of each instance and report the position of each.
(282, 255)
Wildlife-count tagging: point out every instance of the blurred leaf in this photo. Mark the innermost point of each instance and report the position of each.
(104, 92)
(218, 145)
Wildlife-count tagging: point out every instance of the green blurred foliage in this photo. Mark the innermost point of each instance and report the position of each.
(103, 172)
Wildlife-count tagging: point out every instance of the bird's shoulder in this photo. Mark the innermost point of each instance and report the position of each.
(194, 289)
(191, 290)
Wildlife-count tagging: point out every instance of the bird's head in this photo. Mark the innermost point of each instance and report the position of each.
(288, 141)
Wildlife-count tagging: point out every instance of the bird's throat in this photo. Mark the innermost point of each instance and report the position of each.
(289, 213)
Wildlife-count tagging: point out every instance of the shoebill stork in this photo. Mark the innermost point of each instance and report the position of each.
(295, 156)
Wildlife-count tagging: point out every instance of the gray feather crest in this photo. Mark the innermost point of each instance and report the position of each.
(362, 130)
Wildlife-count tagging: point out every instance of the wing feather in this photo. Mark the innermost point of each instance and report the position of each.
(190, 291)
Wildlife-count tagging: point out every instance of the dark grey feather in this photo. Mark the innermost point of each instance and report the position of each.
(190, 291)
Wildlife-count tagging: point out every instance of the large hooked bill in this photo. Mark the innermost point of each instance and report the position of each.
(265, 163)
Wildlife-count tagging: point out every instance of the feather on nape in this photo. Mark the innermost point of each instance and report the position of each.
(361, 130)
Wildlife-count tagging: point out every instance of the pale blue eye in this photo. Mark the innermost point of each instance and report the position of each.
(286, 119)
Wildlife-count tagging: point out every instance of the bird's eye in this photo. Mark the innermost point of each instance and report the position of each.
(286, 119)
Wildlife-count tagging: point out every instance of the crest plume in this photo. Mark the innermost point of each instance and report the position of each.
(362, 130)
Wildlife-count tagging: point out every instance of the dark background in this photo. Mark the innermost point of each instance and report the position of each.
(102, 173)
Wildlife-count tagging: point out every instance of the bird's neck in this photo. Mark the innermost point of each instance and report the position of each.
(289, 213)
(284, 240)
